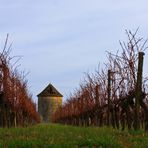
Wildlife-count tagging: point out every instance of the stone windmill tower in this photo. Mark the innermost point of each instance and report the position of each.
(48, 101)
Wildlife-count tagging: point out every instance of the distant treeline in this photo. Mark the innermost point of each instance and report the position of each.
(16, 105)
(114, 96)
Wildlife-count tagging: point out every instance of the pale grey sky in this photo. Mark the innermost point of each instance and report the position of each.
(62, 39)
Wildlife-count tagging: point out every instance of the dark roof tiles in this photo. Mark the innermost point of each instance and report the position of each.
(50, 91)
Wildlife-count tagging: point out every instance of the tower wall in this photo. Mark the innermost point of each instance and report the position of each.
(47, 106)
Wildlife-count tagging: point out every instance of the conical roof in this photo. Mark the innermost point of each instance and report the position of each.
(50, 91)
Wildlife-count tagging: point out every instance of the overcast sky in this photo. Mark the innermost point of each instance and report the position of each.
(61, 39)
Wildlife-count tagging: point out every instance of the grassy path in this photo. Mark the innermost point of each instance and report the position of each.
(60, 136)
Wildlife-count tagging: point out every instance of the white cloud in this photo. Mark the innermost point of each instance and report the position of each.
(58, 38)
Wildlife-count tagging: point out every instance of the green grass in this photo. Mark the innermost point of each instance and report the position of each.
(63, 136)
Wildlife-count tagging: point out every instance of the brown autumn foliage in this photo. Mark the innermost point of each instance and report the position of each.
(16, 105)
(112, 96)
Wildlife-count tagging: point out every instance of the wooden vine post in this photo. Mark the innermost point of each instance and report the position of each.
(108, 97)
(138, 91)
